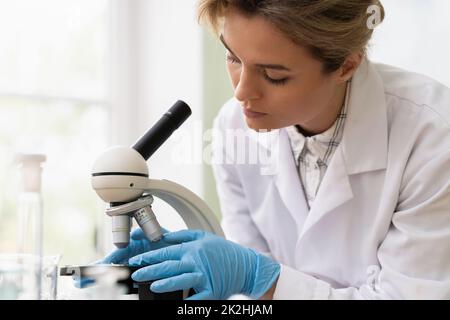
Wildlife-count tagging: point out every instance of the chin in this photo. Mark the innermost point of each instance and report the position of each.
(259, 125)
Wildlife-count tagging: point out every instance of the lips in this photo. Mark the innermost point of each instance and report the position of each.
(253, 114)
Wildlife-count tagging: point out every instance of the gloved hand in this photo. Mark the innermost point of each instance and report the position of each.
(138, 244)
(214, 267)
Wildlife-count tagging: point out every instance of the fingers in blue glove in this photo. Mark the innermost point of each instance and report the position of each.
(157, 256)
(183, 281)
(162, 270)
(220, 267)
(183, 236)
(138, 234)
(139, 244)
(117, 256)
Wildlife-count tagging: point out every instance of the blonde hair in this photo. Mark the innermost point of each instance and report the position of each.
(330, 29)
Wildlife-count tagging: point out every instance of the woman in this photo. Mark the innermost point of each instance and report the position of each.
(357, 205)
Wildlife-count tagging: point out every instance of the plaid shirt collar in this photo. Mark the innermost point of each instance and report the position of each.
(321, 145)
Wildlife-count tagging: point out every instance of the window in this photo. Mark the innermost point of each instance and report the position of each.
(54, 100)
(77, 77)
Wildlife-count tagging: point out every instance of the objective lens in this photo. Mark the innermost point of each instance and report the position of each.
(148, 223)
(121, 226)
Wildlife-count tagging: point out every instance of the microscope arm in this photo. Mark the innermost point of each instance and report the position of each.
(193, 210)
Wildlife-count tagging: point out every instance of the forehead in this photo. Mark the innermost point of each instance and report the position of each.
(256, 39)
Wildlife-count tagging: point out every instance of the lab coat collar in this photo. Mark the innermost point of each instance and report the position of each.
(282, 170)
(363, 147)
(288, 182)
(365, 140)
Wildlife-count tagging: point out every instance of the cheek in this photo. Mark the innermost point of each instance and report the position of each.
(285, 100)
(306, 94)
(293, 102)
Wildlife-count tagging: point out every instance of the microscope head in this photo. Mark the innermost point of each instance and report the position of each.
(119, 175)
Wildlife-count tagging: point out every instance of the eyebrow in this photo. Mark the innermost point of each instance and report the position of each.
(266, 66)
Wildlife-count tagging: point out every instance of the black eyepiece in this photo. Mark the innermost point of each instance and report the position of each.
(163, 129)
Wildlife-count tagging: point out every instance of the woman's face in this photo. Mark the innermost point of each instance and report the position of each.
(278, 82)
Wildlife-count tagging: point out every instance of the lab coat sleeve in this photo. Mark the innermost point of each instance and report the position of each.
(414, 258)
(236, 221)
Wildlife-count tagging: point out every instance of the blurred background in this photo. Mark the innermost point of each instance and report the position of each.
(77, 76)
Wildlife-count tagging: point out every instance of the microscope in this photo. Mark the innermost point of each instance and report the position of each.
(120, 177)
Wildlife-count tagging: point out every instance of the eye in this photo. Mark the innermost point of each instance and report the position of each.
(278, 82)
(232, 59)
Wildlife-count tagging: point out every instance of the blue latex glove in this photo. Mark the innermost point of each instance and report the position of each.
(214, 267)
(138, 244)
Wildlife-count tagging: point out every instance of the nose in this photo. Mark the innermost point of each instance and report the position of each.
(247, 87)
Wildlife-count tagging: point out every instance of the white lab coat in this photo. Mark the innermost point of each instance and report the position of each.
(379, 227)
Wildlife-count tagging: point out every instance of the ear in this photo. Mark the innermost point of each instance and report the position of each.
(348, 69)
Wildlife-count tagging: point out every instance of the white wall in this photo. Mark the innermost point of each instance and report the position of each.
(415, 36)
